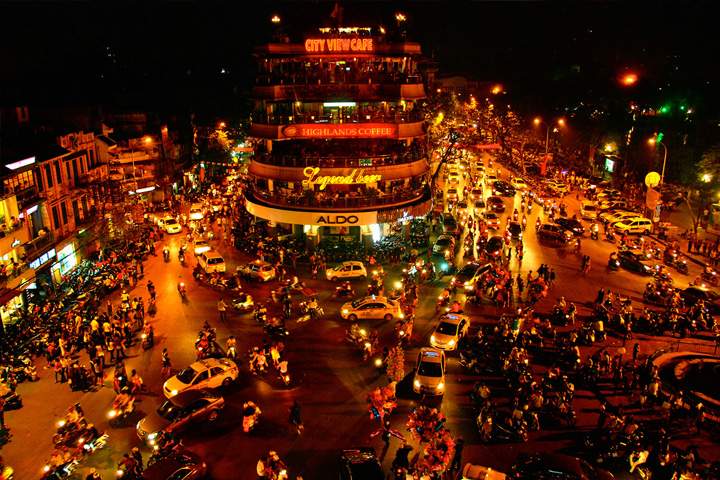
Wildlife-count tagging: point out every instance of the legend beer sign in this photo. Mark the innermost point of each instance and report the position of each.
(341, 130)
(356, 176)
(338, 45)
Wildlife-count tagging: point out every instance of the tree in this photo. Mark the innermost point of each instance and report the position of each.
(396, 364)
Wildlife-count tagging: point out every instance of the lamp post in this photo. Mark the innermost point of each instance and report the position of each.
(547, 136)
(653, 141)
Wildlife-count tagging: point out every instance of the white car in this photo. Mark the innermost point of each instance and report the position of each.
(196, 211)
(430, 372)
(371, 307)
(347, 270)
(449, 331)
(444, 243)
(454, 177)
(170, 225)
(200, 245)
(588, 210)
(492, 220)
(208, 373)
(257, 269)
(490, 178)
(452, 195)
(518, 183)
(211, 261)
(476, 194)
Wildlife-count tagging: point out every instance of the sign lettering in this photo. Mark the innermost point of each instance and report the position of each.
(357, 176)
(339, 130)
(339, 45)
(337, 219)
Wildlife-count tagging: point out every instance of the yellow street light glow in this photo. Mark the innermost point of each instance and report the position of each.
(630, 79)
(275, 19)
(707, 177)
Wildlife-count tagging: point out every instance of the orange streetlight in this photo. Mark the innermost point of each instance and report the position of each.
(629, 79)
(538, 121)
(275, 19)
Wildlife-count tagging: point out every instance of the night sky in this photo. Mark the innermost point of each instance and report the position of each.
(54, 52)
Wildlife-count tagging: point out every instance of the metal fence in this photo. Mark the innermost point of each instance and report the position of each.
(689, 346)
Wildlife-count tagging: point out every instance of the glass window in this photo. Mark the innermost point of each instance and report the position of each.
(202, 376)
(56, 219)
(58, 172)
(48, 175)
(38, 180)
(64, 213)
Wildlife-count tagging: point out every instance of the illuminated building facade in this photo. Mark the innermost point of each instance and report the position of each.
(341, 138)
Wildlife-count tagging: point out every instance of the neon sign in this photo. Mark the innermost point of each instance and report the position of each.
(339, 45)
(337, 130)
(355, 177)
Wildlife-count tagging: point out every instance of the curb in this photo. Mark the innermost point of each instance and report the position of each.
(684, 254)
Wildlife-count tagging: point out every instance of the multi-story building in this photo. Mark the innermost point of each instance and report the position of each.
(341, 138)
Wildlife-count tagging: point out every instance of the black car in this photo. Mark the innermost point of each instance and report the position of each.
(554, 466)
(496, 204)
(186, 466)
(572, 226)
(360, 464)
(691, 295)
(515, 230)
(634, 262)
(494, 247)
(503, 189)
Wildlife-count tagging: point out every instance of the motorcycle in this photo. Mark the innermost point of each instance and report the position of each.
(443, 301)
(119, 413)
(370, 346)
(614, 264)
(710, 275)
(148, 338)
(244, 303)
(166, 254)
(512, 432)
(90, 445)
(341, 292)
(251, 415)
(181, 290)
(61, 472)
(68, 431)
(169, 449)
(358, 338)
(610, 236)
(595, 232)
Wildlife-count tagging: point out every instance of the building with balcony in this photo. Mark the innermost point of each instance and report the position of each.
(340, 136)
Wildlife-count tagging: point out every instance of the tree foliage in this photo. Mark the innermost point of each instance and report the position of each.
(396, 364)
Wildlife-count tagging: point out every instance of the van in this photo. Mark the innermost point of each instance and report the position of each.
(634, 225)
(211, 261)
(449, 224)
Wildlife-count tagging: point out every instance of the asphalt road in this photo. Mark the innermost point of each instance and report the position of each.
(329, 378)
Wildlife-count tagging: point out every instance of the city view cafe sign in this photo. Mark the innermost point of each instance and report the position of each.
(340, 130)
(313, 177)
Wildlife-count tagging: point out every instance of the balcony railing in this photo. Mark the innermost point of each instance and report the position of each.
(316, 78)
(279, 160)
(276, 119)
(322, 201)
(39, 244)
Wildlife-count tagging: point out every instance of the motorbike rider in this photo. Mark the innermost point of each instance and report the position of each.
(312, 307)
(122, 400)
(231, 344)
(260, 313)
(355, 333)
(73, 418)
(166, 251)
(251, 412)
(537, 225)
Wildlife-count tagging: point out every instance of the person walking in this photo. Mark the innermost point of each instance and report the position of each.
(295, 417)
(221, 306)
(166, 363)
(457, 458)
(552, 277)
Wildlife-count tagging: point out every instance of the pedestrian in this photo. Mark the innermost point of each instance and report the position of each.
(262, 468)
(166, 363)
(295, 416)
(137, 382)
(636, 352)
(2, 413)
(221, 306)
(457, 458)
(109, 308)
(552, 277)
(587, 264)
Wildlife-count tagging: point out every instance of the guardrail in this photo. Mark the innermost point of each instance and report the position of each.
(305, 118)
(334, 203)
(342, 78)
(337, 162)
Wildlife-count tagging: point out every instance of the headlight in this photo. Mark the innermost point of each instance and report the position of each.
(152, 436)
(440, 386)
(345, 311)
(452, 342)
(453, 279)
(432, 338)
(417, 383)
(112, 413)
(174, 392)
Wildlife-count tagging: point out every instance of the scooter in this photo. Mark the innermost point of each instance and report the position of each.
(341, 292)
(244, 303)
(116, 415)
(614, 264)
(181, 290)
(166, 254)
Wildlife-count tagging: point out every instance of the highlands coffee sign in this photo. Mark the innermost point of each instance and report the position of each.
(332, 45)
(313, 177)
(341, 130)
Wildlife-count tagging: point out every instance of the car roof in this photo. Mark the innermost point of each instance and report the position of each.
(352, 262)
(258, 262)
(429, 354)
(165, 467)
(187, 396)
(212, 254)
(554, 461)
(453, 318)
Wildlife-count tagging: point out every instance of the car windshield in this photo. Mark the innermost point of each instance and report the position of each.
(171, 221)
(430, 369)
(358, 302)
(495, 242)
(468, 270)
(590, 208)
(447, 328)
(462, 205)
(215, 261)
(187, 375)
(366, 470)
(168, 411)
(443, 241)
(491, 216)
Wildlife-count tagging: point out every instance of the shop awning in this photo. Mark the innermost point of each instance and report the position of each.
(8, 294)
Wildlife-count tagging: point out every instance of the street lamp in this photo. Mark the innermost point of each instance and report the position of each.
(275, 19)
(537, 121)
(654, 141)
